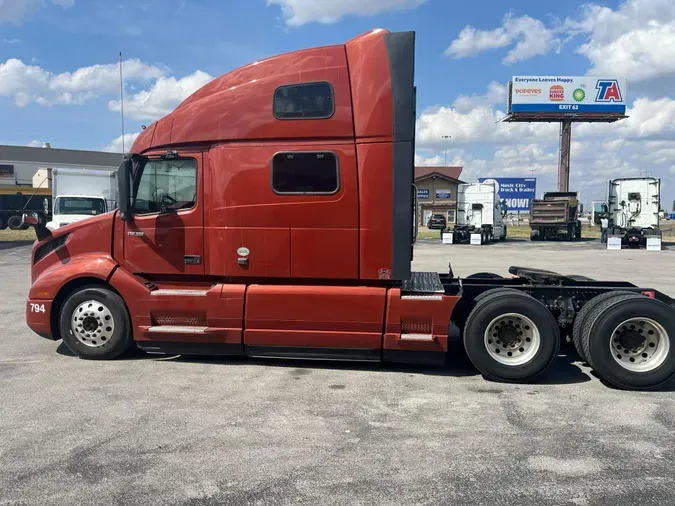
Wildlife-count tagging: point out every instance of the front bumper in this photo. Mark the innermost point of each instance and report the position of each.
(38, 317)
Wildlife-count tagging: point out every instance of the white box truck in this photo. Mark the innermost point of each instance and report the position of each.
(632, 208)
(479, 211)
(81, 193)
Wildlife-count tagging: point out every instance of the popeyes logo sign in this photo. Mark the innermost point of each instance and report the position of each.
(528, 91)
(556, 93)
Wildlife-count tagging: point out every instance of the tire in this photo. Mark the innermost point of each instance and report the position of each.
(534, 235)
(503, 238)
(484, 275)
(3, 225)
(582, 318)
(496, 291)
(533, 349)
(101, 307)
(14, 223)
(650, 363)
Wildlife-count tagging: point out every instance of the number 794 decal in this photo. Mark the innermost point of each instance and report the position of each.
(37, 308)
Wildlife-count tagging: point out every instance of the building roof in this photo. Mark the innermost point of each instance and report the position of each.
(448, 173)
(52, 156)
(452, 172)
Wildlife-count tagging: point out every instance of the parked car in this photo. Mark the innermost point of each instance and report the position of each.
(437, 222)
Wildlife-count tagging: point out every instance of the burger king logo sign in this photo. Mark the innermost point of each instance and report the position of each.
(556, 93)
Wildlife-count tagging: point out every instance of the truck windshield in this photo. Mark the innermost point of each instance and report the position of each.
(166, 185)
(79, 205)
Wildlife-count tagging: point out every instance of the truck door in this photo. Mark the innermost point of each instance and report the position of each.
(166, 234)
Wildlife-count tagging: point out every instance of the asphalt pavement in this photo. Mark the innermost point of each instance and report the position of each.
(184, 431)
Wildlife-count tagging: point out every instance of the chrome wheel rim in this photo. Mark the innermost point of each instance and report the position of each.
(92, 324)
(512, 339)
(640, 344)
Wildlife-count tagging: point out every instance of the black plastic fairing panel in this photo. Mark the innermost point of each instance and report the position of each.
(401, 52)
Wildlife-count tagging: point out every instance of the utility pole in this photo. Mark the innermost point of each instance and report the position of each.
(446, 137)
(565, 148)
(122, 102)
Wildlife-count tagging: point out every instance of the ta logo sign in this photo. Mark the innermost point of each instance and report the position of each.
(608, 91)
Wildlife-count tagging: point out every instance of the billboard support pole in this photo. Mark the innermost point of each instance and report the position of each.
(565, 150)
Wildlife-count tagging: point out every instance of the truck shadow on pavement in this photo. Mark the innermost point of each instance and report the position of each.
(565, 370)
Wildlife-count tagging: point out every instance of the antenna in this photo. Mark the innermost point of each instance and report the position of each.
(122, 101)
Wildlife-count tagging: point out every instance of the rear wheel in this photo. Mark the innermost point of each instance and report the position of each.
(14, 223)
(630, 342)
(509, 336)
(581, 320)
(94, 323)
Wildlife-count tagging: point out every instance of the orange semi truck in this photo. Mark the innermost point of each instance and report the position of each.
(273, 214)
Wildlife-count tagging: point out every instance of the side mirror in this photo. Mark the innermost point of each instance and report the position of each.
(124, 175)
(45, 206)
(38, 221)
(30, 220)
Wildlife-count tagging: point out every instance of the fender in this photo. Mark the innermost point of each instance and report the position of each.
(90, 265)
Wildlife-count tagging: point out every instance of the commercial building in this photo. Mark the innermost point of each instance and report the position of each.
(437, 192)
(30, 167)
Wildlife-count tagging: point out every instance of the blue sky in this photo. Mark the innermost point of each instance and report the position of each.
(58, 80)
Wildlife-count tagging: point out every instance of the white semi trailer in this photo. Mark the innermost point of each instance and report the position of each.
(479, 211)
(81, 193)
(632, 209)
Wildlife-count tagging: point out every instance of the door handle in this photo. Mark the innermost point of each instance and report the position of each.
(136, 234)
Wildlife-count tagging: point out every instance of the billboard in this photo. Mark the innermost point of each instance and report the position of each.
(567, 95)
(517, 191)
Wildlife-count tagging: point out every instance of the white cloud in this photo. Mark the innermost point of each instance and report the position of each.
(162, 98)
(300, 12)
(496, 94)
(11, 41)
(15, 11)
(636, 40)
(648, 118)
(645, 142)
(473, 120)
(429, 161)
(528, 36)
(31, 83)
(115, 145)
(35, 144)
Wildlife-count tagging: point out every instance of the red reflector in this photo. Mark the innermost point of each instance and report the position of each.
(649, 293)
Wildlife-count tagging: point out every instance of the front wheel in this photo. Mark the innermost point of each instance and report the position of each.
(94, 323)
(509, 336)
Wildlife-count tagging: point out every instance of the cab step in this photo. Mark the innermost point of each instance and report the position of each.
(423, 283)
(177, 329)
(170, 292)
(418, 338)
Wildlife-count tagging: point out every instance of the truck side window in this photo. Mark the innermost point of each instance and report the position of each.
(166, 185)
(307, 173)
(304, 101)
